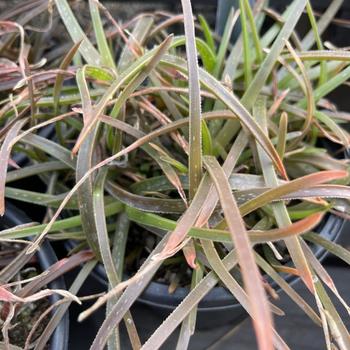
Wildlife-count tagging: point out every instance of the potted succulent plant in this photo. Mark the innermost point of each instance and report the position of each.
(197, 188)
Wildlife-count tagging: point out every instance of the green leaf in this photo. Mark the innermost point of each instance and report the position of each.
(207, 33)
(251, 94)
(254, 30)
(105, 52)
(195, 134)
(225, 40)
(105, 251)
(280, 209)
(323, 66)
(206, 54)
(85, 191)
(38, 198)
(207, 143)
(323, 23)
(138, 71)
(60, 77)
(234, 105)
(50, 147)
(100, 73)
(86, 49)
(35, 169)
(247, 59)
(149, 204)
(328, 86)
(334, 248)
(282, 135)
(84, 94)
(73, 221)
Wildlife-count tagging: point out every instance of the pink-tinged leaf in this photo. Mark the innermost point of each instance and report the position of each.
(261, 313)
(166, 23)
(58, 269)
(42, 77)
(189, 251)
(12, 163)
(323, 191)
(308, 92)
(293, 186)
(7, 296)
(286, 269)
(147, 270)
(5, 152)
(297, 228)
(184, 308)
(228, 166)
(163, 119)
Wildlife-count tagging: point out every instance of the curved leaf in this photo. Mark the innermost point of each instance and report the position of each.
(252, 280)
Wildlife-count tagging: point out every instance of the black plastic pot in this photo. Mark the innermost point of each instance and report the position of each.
(219, 307)
(46, 257)
(216, 309)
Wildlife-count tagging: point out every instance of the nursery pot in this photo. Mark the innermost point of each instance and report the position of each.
(216, 309)
(219, 307)
(46, 257)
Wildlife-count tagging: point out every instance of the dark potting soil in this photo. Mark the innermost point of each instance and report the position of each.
(174, 272)
(27, 314)
(24, 321)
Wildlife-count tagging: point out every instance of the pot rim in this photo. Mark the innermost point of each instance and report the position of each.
(156, 294)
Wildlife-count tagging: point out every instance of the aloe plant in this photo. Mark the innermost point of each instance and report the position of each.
(228, 156)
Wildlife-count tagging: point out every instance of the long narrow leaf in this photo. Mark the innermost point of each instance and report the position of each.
(5, 152)
(251, 276)
(294, 12)
(105, 252)
(144, 66)
(87, 50)
(280, 211)
(195, 136)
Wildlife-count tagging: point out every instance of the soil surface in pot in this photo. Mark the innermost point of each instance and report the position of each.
(28, 314)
